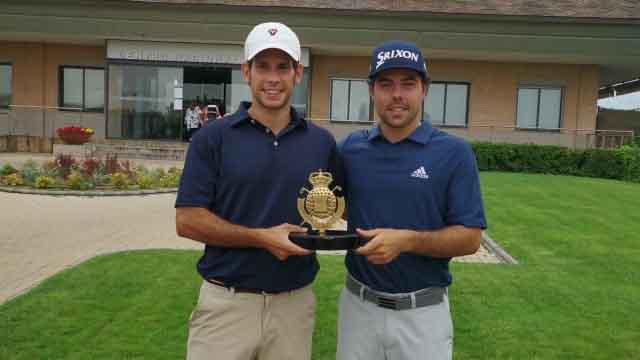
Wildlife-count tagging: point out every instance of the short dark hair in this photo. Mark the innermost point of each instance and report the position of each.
(426, 81)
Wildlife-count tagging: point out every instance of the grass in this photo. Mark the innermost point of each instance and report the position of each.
(574, 295)
(576, 292)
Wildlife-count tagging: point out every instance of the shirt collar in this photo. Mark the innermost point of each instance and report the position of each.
(242, 116)
(420, 135)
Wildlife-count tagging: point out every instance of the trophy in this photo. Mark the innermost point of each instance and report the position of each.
(321, 209)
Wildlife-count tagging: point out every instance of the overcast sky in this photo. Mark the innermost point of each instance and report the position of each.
(622, 102)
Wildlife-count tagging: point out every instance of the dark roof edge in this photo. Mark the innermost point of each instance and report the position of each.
(621, 88)
(268, 5)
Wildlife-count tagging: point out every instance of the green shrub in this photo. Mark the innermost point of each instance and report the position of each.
(621, 164)
(44, 182)
(120, 180)
(30, 173)
(630, 156)
(527, 158)
(145, 181)
(602, 163)
(170, 180)
(101, 179)
(158, 173)
(75, 181)
(7, 169)
(13, 180)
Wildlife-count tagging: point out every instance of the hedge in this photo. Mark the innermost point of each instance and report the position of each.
(619, 164)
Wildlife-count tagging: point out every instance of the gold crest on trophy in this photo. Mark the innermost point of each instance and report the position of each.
(321, 208)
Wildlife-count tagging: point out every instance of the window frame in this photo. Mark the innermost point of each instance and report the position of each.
(539, 89)
(61, 105)
(444, 105)
(347, 121)
(10, 86)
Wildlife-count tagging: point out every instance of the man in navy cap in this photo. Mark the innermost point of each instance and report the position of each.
(238, 196)
(413, 191)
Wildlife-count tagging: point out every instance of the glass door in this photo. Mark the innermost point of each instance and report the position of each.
(145, 102)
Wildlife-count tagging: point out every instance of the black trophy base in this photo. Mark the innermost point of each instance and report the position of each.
(331, 240)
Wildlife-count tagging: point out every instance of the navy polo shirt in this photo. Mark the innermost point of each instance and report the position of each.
(426, 182)
(242, 172)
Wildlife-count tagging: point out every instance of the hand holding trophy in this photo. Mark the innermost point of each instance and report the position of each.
(321, 209)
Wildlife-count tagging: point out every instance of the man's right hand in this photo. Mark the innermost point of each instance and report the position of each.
(276, 241)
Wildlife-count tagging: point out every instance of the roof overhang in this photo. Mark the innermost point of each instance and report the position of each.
(614, 45)
(622, 88)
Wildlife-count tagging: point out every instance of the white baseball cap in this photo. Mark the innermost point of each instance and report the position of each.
(272, 35)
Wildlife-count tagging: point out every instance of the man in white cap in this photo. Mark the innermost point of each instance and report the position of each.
(238, 196)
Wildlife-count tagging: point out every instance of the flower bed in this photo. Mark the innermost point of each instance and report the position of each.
(67, 172)
(75, 135)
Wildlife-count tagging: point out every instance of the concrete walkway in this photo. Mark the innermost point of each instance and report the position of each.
(41, 235)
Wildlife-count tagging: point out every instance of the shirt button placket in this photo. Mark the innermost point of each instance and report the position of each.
(269, 133)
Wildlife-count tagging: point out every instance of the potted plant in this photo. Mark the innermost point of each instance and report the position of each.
(74, 135)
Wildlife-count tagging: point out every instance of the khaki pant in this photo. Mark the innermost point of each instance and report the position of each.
(240, 326)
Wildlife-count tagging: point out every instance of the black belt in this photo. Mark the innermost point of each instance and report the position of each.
(243, 290)
(417, 299)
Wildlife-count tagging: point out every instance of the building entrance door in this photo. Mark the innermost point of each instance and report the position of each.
(148, 102)
(205, 86)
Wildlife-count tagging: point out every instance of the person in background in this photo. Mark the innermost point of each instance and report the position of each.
(191, 120)
(204, 115)
(198, 114)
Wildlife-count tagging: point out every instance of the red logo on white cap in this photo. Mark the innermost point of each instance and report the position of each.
(273, 31)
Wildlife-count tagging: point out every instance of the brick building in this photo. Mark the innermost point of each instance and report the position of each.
(503, 70)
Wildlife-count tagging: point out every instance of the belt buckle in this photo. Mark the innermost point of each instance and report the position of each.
(386, 302)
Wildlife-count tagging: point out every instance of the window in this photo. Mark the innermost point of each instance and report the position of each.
(446, 103)
(82, 88)
(143, 100)
(539, 108)
(5, 85)
(301, 94)
(350, 100)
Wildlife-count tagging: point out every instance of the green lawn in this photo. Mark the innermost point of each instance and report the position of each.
(575, 294)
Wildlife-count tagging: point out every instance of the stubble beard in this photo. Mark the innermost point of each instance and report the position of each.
(257, 98)
(273, 107)
(412, 118)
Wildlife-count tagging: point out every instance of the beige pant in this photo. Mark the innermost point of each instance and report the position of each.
(240, 326)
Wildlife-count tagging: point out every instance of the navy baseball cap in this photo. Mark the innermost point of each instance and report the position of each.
(397, 55)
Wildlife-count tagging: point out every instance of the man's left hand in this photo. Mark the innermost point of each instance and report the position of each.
(385, 244)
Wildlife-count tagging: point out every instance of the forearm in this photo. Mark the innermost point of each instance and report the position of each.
(202, 225)
(451, 241)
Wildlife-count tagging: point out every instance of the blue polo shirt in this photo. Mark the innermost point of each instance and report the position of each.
(426, 182)
(242, 172)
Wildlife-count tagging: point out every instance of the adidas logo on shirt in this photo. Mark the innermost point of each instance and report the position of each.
(420, 173)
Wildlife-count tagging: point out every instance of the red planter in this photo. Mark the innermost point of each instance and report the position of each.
(74, 138)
